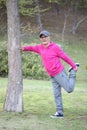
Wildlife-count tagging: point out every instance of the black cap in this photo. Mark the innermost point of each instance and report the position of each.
(45, 33)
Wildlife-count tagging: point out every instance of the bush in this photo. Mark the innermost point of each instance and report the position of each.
(86, 67)
(32, 66)
(3, 59)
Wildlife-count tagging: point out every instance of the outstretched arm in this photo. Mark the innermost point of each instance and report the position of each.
(30, 48)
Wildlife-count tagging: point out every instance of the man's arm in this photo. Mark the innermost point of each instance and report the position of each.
(66, 58)
(30, 48)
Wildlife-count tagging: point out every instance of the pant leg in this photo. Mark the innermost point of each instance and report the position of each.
(67, 82)
(57, 95)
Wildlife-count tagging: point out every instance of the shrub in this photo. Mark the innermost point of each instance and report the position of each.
(86, 67)
(3, 59)
(32, 66)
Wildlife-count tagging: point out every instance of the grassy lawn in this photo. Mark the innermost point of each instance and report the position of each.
(39, 105)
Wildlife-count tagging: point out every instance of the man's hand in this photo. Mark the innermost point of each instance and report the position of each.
(22, 48)
(75, 68)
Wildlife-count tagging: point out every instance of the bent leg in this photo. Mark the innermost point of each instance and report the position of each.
(57, 95)
(67, 82)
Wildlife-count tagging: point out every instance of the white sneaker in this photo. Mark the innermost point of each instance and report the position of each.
(57, 115)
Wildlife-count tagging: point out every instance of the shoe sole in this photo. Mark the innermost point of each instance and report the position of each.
(57, 117)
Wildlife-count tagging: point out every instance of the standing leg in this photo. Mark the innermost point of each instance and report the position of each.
(57, 96)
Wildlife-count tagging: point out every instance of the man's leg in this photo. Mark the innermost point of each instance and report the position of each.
(57, 96)
(67, 82)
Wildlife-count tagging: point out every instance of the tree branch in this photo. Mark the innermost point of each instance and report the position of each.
(81, 21)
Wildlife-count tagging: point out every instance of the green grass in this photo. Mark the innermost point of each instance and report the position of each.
(39, 104)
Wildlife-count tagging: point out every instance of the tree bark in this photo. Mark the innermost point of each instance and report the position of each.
(75, 10)
(14, 101)
(77, 25)
(38, 16)
(66, 14)
(64, 27)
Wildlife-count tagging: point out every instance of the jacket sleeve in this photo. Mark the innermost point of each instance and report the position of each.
(61, 54)
(32, 48)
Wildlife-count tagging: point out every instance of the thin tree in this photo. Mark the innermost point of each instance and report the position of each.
(64, 27)
(75, 11)
(13, 100)
(76, 22)
(38, 15)
(66, 14)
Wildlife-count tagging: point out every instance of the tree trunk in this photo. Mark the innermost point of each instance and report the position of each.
(66, 14)
(75, 10)
(38, 16)
(79, 22)
(64, 27)
(14, 101)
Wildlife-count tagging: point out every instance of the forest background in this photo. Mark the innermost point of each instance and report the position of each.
(66, 20)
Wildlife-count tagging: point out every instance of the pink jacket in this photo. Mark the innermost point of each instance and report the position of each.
(51, 56)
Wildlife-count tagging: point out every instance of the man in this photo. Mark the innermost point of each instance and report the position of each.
(51, 54)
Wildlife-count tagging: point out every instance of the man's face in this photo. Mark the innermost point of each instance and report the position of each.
(45, 40)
